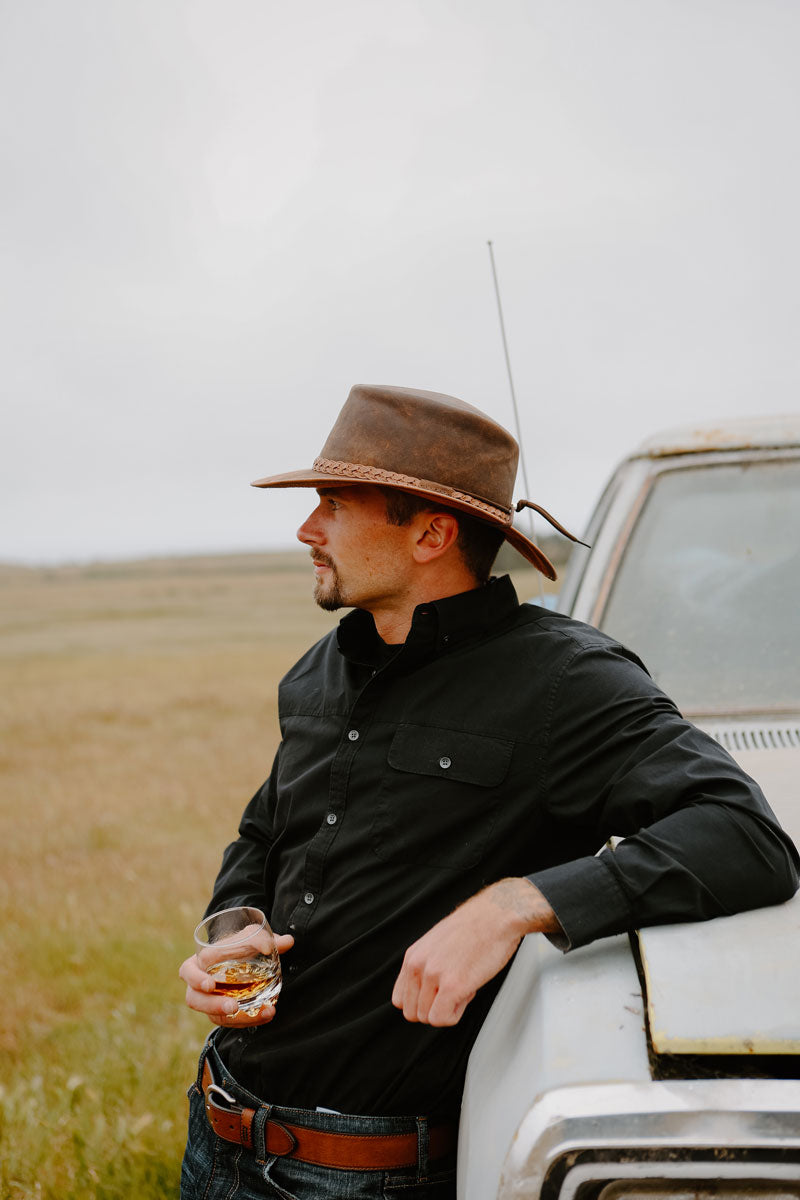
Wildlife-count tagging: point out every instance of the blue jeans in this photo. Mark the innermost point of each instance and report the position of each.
(215, 1169)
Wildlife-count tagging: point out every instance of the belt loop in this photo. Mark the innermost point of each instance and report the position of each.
(423, 1149)
(201, 1062)
(259, 1131)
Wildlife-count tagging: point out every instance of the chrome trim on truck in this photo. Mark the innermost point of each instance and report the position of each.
(610, 1131)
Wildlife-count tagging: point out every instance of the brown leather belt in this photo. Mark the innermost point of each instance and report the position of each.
(350, 1152)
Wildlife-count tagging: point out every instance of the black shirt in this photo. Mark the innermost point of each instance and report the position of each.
(499, 740)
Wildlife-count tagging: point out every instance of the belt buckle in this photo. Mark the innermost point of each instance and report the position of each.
(214, 1087)
(278, 1139)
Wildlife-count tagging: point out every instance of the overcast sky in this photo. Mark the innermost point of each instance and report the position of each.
(217, 217)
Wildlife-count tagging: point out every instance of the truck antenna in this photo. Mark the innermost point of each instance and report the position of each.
(513, 401)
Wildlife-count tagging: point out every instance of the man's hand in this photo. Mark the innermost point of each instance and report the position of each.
(202, 994)
(444, 969)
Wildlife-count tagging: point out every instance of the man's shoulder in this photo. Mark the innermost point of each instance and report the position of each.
(314, 683)
(563, 632)
(322, 652)
(558, 647)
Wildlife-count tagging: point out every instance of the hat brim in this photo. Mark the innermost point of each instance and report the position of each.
(304, 478)
(531, 551)
(310, 478)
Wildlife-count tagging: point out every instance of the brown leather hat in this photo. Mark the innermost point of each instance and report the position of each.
(428, 444)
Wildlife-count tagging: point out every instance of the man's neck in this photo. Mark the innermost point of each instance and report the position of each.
(393, 623)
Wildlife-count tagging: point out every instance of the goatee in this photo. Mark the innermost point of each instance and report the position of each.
(328, 596)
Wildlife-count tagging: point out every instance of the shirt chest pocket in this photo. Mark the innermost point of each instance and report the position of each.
(438, 801)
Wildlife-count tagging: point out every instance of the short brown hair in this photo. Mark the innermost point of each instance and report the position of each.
(478, 542)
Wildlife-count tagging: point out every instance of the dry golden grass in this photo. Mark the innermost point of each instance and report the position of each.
(138, 715)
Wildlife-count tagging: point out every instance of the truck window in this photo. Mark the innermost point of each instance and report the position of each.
(708, 590)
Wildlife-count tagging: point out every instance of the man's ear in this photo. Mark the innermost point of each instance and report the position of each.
(436, 532)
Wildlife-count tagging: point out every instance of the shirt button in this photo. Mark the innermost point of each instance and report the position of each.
(353, 735)
(331, 818)
(445, 762)
(309, 897)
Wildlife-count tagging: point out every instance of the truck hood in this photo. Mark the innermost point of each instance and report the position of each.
(730, 986)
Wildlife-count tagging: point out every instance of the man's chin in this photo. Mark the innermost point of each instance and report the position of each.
(328, 599)
(329, 603)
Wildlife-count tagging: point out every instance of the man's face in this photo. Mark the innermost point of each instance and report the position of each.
(360, 560)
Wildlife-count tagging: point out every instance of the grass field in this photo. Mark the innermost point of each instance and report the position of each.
(138, 715)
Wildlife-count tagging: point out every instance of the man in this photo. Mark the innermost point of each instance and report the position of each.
(451, 763)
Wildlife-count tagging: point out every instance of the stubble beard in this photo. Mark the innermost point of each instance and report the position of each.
(328, 593)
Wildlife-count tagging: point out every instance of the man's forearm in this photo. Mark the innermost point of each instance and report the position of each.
(522, 897)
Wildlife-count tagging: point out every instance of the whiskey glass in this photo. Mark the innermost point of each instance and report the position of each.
(237, 948)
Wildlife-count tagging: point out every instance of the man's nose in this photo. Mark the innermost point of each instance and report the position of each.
(310, 532)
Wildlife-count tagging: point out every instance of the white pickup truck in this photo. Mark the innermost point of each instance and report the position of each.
(666, 1066)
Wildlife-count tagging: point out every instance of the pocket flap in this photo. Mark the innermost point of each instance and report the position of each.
(450, 754)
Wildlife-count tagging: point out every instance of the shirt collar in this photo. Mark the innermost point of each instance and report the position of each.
(437, 626)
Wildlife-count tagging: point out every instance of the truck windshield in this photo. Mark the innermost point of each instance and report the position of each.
(708, 591)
